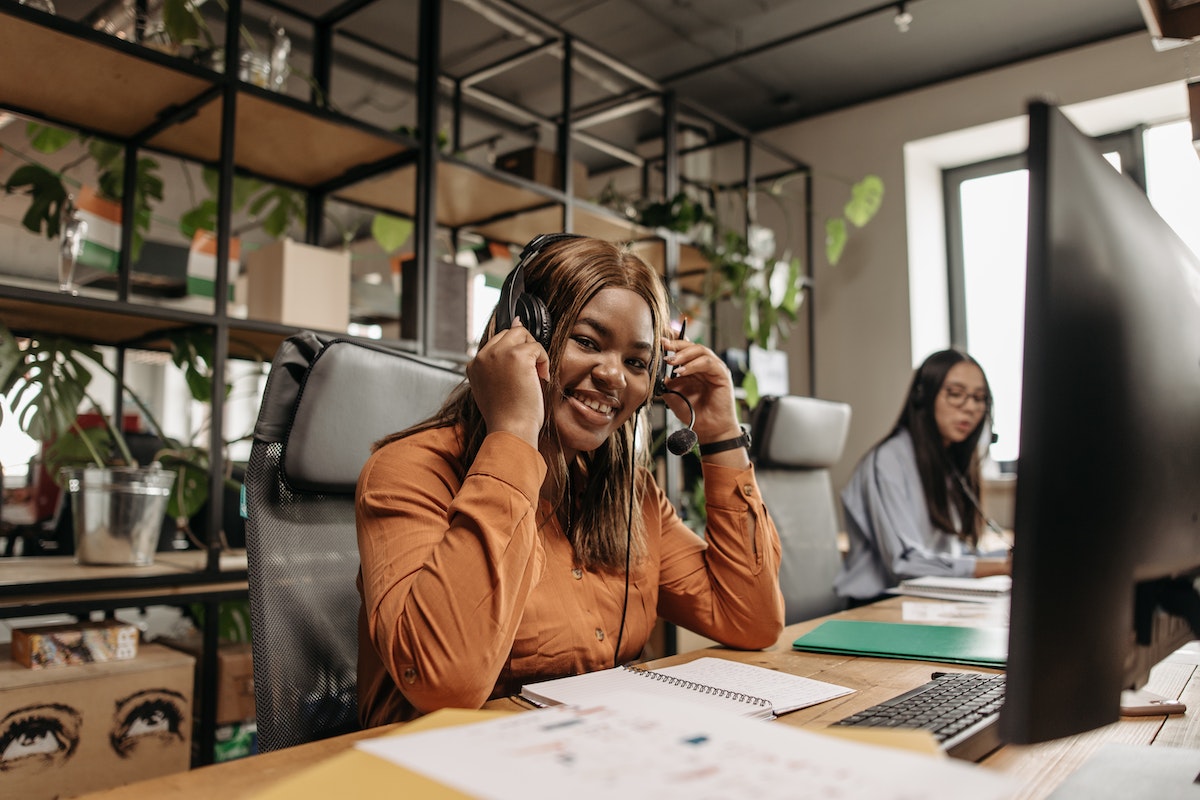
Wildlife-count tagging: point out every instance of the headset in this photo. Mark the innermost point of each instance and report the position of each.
(516, 302)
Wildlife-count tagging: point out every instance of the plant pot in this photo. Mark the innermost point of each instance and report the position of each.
(118, 512)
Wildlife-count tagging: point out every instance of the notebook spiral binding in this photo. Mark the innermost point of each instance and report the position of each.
(703, 688)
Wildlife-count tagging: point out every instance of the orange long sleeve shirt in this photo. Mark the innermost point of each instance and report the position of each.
(470, 589)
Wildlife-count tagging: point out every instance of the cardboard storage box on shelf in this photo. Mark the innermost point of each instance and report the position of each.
(299, 284)
(78, 729)
(235, 677)
(74, 643)
(542, 166)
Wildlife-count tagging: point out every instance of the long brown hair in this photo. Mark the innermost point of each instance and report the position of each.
(566, 275)
(950, 475)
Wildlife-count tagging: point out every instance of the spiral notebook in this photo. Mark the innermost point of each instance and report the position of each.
(720, 683)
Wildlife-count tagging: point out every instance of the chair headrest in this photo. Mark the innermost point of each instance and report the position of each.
(799, 432)
(347, 396)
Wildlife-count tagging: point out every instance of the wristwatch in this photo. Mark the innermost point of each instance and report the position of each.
(726, 444)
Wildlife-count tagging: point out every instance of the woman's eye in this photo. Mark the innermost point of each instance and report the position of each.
(584, 342)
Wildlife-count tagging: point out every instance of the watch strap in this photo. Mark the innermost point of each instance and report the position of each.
(726, 444)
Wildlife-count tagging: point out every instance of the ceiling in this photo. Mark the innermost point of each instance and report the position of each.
(766, 62)
(755, 64)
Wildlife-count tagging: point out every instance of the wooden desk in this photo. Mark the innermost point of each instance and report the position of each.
(1038, 768)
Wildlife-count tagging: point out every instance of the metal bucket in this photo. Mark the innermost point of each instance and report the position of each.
(118, 512)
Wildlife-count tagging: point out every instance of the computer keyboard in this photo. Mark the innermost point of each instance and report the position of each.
(960, 709)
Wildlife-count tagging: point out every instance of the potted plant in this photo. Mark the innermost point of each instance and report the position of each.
(745, 269)
(118, 503)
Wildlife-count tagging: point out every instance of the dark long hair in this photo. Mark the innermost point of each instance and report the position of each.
(566, 275)
(950, 475)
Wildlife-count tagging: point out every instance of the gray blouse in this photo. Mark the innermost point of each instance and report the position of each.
(887, 521)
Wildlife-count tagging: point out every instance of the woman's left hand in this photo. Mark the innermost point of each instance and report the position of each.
(702, 377)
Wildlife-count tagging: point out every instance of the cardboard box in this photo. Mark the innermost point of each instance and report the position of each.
(542, 166)
(74, 643)
(68, 731)
(235, 677)
(299, 284)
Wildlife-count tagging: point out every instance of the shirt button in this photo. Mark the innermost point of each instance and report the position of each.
(410, 675)
(599, 635)
(748, 489)
(578, 573)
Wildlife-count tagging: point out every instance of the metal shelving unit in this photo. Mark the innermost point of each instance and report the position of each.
(162, 104)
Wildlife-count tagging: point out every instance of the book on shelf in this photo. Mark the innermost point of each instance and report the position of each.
(745, 689)
(993, 587)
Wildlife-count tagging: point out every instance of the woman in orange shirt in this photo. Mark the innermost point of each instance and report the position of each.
(517, 535)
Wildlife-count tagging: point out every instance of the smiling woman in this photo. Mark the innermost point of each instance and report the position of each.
(517, 535)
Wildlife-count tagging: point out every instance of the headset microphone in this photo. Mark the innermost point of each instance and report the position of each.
(683, 440)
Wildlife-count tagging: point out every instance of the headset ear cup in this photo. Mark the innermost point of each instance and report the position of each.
(536, 318)
(918, 396)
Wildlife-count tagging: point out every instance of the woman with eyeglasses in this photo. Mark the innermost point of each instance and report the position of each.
(912, 506)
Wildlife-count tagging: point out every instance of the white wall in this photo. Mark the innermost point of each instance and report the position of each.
(864, 340)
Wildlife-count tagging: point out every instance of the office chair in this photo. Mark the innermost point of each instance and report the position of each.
(795, 441)
(326, 401)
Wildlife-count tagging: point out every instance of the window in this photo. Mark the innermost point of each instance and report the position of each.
(986, 217)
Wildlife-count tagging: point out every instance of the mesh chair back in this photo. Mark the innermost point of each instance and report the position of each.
(325, 403)
(796, 440)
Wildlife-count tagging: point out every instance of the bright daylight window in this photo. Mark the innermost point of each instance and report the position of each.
(987, 228)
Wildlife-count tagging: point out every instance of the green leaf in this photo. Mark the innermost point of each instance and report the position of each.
(768, 317)
(47, 195)
(109, 156)
(190, 490)
(46, 139)
(53, 381)
(835, 239)
(793, 297)
(866, 197)
(179, 21)
(201, 218)
(74, 448)
(750, 387)
(390, 232)
(285, 207)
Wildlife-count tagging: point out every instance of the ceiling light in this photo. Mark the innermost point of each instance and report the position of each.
(903, 18)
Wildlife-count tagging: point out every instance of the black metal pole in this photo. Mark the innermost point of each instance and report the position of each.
(429, 58)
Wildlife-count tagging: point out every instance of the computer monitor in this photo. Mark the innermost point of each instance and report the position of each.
(1107, 518)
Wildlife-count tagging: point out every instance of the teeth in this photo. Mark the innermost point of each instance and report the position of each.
(596, 406)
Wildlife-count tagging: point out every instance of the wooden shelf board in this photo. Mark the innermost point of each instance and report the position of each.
(521, 228)
(278, 141)
(692, 263)
(62, 77)
(464, 194)
(128, 324)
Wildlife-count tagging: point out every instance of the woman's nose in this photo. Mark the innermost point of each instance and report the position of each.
(607, 370)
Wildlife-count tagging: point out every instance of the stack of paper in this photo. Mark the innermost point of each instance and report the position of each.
(993, 587)
(641, 746)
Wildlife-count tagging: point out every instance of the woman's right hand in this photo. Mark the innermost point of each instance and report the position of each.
(506, 378)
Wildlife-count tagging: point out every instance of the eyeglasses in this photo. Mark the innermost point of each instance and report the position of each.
(958, 398)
